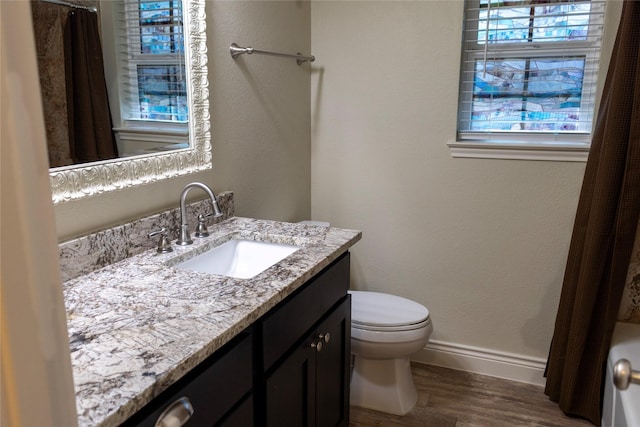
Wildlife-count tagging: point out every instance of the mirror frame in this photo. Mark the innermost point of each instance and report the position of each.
(86, 180)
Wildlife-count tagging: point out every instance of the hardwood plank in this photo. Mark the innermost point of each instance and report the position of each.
(452, 398)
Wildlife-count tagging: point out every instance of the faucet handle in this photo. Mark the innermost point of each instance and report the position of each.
(201, 228)
(164, 245)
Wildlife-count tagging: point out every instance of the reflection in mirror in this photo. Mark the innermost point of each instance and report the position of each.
(132, 49)
(156, 125)
(50, 20)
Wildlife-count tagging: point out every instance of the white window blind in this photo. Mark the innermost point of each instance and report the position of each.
(153, 83)
(529, 70)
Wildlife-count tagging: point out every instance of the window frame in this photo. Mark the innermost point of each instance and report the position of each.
(529, 145)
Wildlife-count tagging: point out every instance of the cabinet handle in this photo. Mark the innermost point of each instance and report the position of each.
(325, 337)
(317, 346)
(176, 415)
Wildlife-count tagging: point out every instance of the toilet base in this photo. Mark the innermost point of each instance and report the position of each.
(384, 385)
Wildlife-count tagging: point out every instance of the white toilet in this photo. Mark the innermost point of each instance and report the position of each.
(385, 331)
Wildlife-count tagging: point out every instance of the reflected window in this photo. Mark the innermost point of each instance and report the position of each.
(153, 58)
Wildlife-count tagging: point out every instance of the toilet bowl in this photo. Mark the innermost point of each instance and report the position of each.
(385, 330)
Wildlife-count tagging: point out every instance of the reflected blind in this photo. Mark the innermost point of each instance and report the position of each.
(529, 67)
(153, 78)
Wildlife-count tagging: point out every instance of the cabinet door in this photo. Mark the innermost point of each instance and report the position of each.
(291, 390)
(333, 368)
(311, 387)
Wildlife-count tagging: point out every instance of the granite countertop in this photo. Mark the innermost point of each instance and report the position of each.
(139, 325)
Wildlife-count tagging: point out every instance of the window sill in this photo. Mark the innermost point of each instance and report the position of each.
(135, 142)
(515, 151)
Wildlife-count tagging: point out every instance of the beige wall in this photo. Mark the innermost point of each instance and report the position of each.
(482, 243)
(260, 109)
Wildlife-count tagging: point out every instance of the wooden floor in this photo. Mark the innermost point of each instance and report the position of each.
(452, 398)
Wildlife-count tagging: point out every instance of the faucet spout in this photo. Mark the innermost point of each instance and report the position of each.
(185, 235)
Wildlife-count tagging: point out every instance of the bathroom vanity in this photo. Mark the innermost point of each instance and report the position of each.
(269, 350)
(299, 354)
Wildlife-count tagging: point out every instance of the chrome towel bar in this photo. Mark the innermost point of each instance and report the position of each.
(238, 50)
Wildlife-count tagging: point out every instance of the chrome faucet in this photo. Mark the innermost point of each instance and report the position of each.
(185, 235)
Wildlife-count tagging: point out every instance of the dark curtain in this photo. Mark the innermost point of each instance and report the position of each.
(91, 135)
(603, 235)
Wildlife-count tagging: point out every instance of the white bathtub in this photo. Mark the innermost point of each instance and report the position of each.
(622, 408)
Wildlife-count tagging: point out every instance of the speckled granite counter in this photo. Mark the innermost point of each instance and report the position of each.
(138, 325)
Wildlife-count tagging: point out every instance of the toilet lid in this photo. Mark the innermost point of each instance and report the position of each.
(379, 309)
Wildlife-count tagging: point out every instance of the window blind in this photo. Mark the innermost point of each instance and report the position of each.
(153, 82)
(529, 67)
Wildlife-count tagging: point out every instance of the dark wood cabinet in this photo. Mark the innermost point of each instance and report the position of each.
(333, 368)
(310, 386)
(306, 346)
(290, 396)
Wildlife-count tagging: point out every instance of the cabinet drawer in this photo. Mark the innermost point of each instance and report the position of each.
(213, 387)
(300, 311)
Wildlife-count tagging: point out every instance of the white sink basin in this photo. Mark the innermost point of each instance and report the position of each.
(239, 258)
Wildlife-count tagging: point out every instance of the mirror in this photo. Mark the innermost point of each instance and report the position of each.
(88, 179)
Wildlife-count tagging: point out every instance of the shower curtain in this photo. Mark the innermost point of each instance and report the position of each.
(603, 235)
(91, 135)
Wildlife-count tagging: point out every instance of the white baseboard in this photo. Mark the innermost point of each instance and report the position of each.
(483, 361)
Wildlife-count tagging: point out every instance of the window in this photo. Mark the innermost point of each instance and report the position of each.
(146, 77)
(155, 86)
(529, 73)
